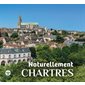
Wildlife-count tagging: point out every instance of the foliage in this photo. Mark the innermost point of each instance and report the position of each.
(59, 39)
(80, 39)
(14, 35)
(79, 74)
(1, 44)
(33, 52)
(5, 34)
(74, 53)
(64, 33)
(55, 32)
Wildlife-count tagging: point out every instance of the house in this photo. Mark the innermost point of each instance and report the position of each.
(69, 42)
(3, 40)
(14, 55)
(10, 45)
(53, 45)
(49, 37)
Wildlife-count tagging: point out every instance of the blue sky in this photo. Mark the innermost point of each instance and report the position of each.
(67, 17)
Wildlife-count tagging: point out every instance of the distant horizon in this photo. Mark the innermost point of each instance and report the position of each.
(47, 28)
(57, 16)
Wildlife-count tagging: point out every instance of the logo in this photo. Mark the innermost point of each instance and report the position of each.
(7, 72)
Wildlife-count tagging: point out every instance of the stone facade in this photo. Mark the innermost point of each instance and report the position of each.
(14, 55)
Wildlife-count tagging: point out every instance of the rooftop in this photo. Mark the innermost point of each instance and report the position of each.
(31, 23)
(13, 50)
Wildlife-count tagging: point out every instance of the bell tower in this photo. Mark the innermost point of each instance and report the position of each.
(19, 21)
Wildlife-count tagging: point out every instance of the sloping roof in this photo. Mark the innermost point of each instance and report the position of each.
(31, 23)
(13, 50)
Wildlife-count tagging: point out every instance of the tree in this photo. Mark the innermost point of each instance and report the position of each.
(64, 54)
(5, 34)
(14, 35)
(64, 33)
(59, 39)
(78, 58)
(54, 32)
(1, 44)
(79, 74)
(74, 47)
(33, 52)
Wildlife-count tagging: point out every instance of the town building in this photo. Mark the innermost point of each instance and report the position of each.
(14, 55)
(70, 42)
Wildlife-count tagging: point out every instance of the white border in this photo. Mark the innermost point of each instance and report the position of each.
(42, 83)
(42, 2)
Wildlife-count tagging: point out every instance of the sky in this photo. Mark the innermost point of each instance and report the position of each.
(58, 16)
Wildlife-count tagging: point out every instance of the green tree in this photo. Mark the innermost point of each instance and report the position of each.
(75, 47)
(55, 32)
(64, 33)
(1, 44)
(59, 39)
(79, 74)
(78, 58)
(5, 34)
(64, 54)
(14, 35)
(33, 52)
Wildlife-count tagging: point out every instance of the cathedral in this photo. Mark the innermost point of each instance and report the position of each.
(26, 25)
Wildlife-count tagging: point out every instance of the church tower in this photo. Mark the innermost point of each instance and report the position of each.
(19, 21)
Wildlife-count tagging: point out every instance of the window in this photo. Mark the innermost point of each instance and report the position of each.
(19, 61)
(28, 55)
(3, 56)
(23, 59)
(24, 55)
(9, 56)
(3, 63)
(9, 61)
(14, 61)
(19, 55)
(14, 56)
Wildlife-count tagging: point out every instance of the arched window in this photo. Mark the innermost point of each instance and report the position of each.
(3, 63)
(19, 61)
(23, 59)
(14, 61)
(9, 61)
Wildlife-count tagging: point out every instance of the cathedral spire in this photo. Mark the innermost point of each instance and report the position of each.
(19, 21)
